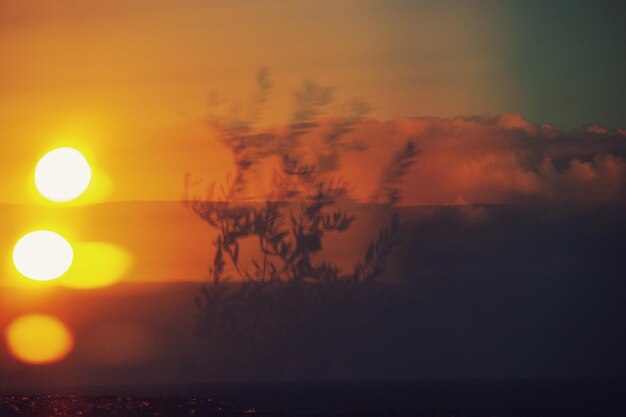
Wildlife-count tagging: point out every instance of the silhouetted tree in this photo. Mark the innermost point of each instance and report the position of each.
(285, 288)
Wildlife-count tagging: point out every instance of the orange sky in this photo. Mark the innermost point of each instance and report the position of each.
(128, 82)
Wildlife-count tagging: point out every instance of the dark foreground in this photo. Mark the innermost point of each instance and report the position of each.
(441, 398)
(105, 406)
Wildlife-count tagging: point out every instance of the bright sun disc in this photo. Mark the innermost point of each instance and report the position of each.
(62, 174)
(38, 339)
(42, 255)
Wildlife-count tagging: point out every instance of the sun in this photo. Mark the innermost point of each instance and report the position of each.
(38, 339)
(42, 255)
(62, 174)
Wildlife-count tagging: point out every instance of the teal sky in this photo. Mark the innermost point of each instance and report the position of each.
(570, 61)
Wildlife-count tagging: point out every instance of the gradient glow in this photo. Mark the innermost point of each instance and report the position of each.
(38, 339)
(96, 265)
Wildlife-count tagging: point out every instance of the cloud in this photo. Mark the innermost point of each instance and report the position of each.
(491, 160)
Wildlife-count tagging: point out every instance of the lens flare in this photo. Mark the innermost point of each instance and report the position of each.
(38, 339)
(42, 255)
(62, 175)
(96, 265)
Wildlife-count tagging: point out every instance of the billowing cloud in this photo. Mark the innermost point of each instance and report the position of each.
(482, 160)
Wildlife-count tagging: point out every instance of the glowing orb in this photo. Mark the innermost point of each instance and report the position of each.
(38, 339)
(42, 255)
(62, 174)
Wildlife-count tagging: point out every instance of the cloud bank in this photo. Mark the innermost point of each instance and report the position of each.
(480, 160)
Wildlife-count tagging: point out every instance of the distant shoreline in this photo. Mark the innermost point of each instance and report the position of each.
(325, 396)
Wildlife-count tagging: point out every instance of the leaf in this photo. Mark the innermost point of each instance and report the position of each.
(218, 265)
(236, 251)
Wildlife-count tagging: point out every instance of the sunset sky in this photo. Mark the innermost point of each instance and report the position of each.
(515, 112)
(129, 82)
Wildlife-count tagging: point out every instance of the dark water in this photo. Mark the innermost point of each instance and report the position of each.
(398, 395)
(531, 397)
